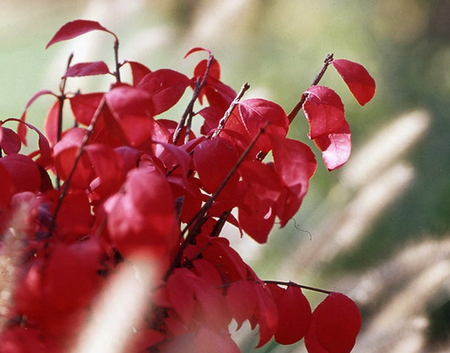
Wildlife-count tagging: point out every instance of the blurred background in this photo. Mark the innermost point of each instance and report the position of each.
(377, 229)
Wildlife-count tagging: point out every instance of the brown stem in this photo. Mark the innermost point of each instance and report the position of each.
(198, 220)
(80, 151)
(327, 61)
(245, 87)
(292, 284)
(190, 107)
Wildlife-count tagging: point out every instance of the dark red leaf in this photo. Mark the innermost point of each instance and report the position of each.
(9, 140)
(76, 28)
(7, 188)
(84, 106)
(324, 110)
(166, 88)
(24, 172)
(337, 323)
(87, 69)
(267, 316)
(295, 164)
(294, 316)
(214, 159)
(257, 217)
(359, 81)
(138, 71)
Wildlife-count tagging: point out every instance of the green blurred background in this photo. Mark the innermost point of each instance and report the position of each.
(376, 229)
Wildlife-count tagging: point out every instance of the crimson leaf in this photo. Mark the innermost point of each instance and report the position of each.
(76, 28)
(337, 321)
(87, 69)
(357, 78)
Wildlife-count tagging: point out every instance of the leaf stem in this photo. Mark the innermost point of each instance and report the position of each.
(80, 151)
(292, 284)
(326, 62)
(245, 87)
(116, 59)
(190, 107)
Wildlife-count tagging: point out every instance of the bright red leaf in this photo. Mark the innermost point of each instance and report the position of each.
(337, 323)
(324, 110)
(359, 81)
(214, 159)
(76, 28)
(295, 164)
(335, 147)
(294, 315)
(9, 140)
(87, 69)
(165, 87)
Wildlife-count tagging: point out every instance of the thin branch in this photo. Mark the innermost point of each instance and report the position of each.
(80, 151)
(292, 284)
(116, 59)
(327, 61)
(197, 221)
(245, 87)
(190, 107)
(61, 99)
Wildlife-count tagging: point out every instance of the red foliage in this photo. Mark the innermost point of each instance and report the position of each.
(127, 183)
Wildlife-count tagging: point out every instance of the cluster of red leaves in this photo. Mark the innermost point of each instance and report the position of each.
(129, 180)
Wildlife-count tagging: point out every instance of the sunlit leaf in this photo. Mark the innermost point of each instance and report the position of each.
(359, 81)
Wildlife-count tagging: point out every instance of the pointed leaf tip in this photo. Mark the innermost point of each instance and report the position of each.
(76, 28)
(359, 81)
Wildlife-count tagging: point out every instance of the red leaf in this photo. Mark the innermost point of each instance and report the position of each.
(213, 159)
(76, 28)
(84, 106)
(240, 299)
(51, 122)
(196, 49)
(295, 164)
(214, 70)
(166, 88)
(65, 152)
(87, 69)
(335, 147)
(267, 316)
(108, 166)
(74, 218)
(294, 316)
(324, 110)
(357, 78)
(142, 216)
(138, 71)
(24, 172)
(9, 140)
(21, 128)
(337, 323)
(252, 115)
(209, 341)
